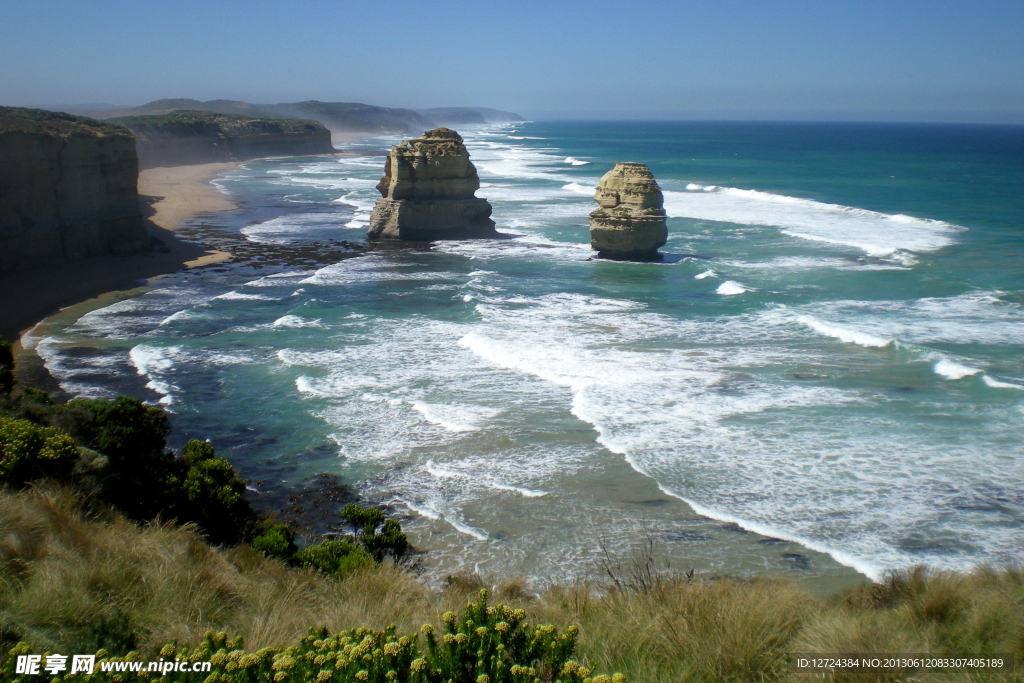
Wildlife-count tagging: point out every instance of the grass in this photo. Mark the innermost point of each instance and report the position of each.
(77, 582)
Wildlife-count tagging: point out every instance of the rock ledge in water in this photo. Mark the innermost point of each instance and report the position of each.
(630, 223)
(428, 192)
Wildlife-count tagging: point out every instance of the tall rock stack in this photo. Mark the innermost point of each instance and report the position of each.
(630, 223)
(428, 192)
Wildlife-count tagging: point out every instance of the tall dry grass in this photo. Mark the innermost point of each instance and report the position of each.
(76, 582)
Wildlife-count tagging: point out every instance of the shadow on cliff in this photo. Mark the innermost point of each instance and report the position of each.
(38, 291)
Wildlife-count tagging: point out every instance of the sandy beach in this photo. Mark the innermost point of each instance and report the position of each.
(169, 196)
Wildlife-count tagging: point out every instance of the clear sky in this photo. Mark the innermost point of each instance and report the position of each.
(928, 60)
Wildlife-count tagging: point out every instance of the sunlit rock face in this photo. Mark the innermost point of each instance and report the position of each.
(630, 222)
(428, 192)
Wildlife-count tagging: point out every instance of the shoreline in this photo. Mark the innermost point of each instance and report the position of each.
(178, 193)
(169, 196)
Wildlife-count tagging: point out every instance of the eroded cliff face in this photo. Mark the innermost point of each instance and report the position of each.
(428, 192)
(67, 189)
(199, 137)
(630, 223)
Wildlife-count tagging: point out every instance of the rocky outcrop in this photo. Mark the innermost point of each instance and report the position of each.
(428, 192)
(67, 188)
(199, 137)
(630, 223)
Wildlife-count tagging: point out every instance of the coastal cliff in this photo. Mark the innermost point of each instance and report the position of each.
(428, 192)
(199, 137)
(630, 221)
(67, 188)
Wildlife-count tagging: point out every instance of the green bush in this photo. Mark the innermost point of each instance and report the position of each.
(275, 540)
(488, 645)
(29, 452)
(390, 540)
(339, 558)
(205, 489)
(134, 438)
(124, 428)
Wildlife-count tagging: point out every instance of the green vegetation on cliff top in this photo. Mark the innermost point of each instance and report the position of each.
(183, 123)
(41, 121)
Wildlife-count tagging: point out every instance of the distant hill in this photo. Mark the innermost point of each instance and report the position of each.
(194, 137)
(454, 114)
(338, 117)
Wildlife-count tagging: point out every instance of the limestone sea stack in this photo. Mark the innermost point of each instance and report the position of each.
(630, 223)
(428, 192)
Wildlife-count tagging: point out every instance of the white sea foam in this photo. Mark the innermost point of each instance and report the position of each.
(575, 162)
(153, 363)
(456, 419)
(431, 513)
(731, 288)
(869, 569)
(844, 334)
(295, 321)
(877, 234)
(576, 188)
(996, 384)
(705, 274)
(952, 370)
(243, 296)
(444, 473)
(298, 226)
(183, 313)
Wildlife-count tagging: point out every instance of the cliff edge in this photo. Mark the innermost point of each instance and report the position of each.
(428, 192)
(202, 137)
(67, 188)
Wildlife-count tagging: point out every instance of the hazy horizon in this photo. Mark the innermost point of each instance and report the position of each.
(802, 61)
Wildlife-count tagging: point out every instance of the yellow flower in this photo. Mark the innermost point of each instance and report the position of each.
(362, 675)
(426, 629)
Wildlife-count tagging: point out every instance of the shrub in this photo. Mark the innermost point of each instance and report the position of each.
(275, 540)
(339, 558)
(29, 452)
(390, 540)
(134, 438)
(205, 489)
(488, 645)
(125, 428)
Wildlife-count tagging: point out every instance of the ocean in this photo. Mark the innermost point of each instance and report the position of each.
(823, 377)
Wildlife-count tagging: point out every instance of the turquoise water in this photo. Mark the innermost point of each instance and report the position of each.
(824, 373)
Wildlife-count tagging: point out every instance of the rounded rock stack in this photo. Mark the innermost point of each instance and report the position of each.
(428, 192)
(630, 223)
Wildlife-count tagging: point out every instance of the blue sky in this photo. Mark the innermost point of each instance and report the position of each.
(857, 60)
